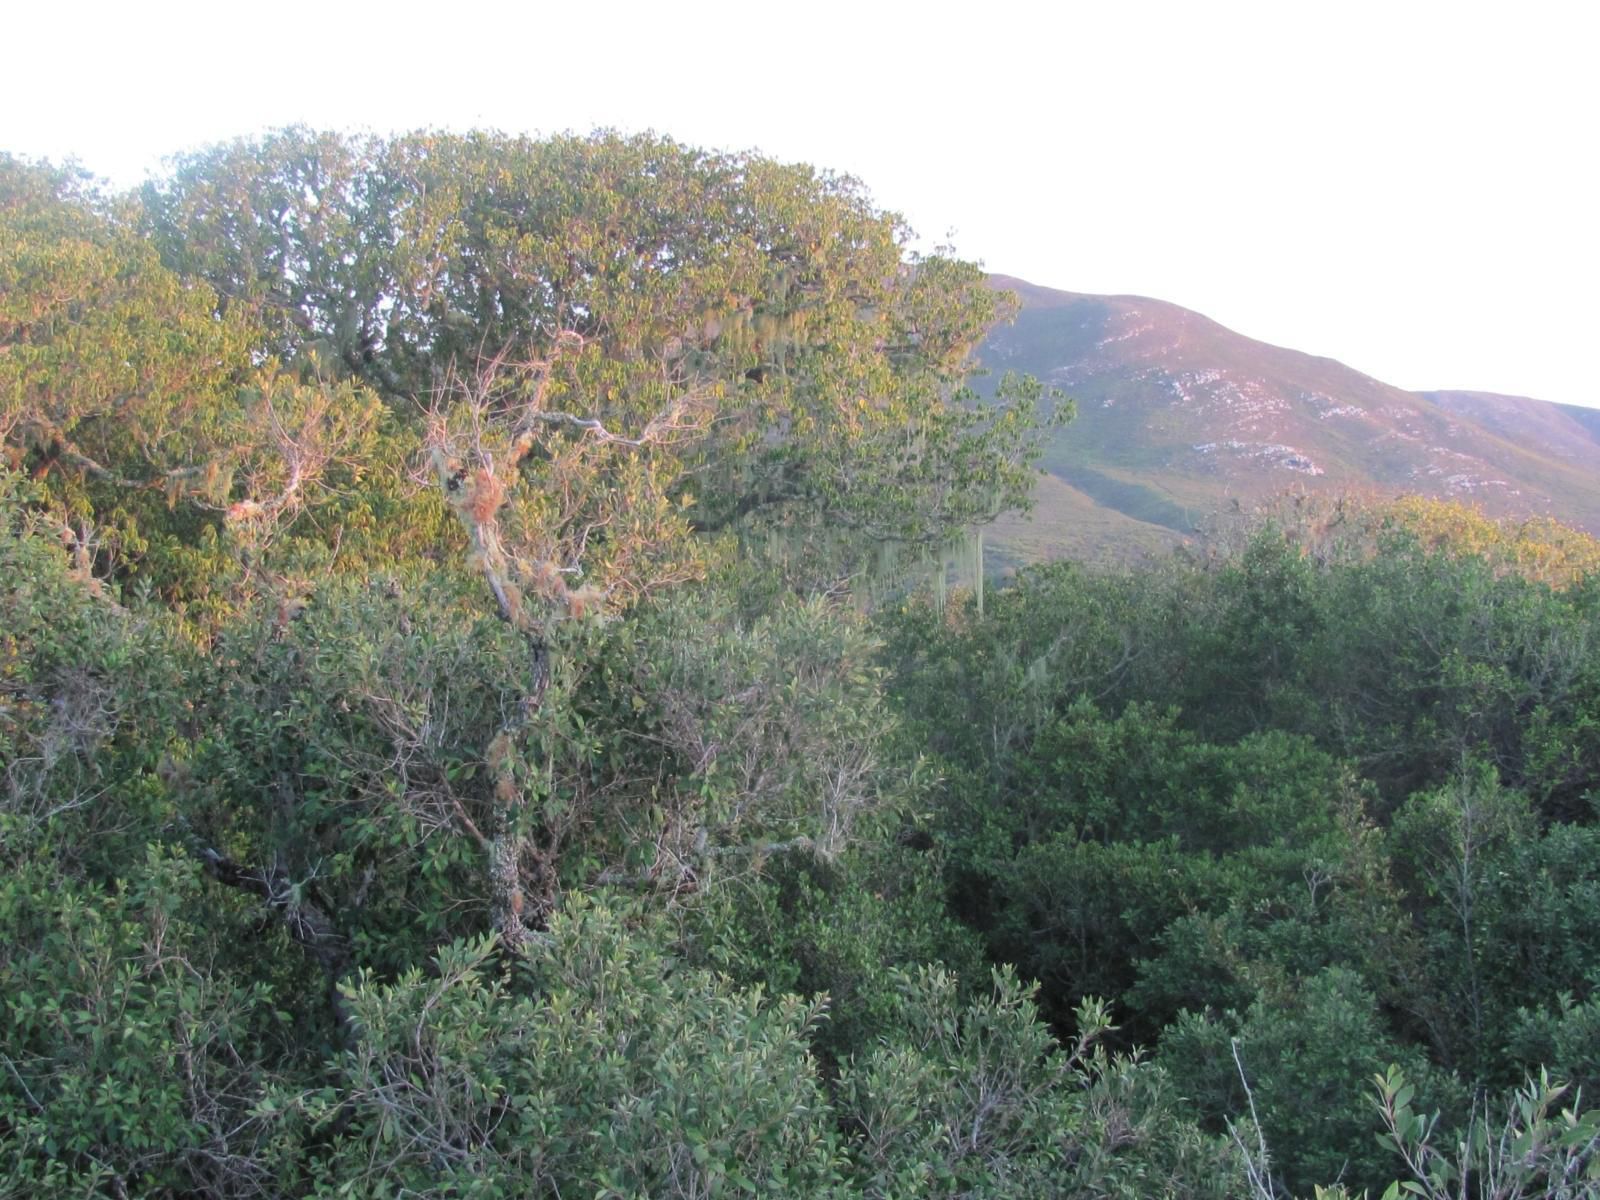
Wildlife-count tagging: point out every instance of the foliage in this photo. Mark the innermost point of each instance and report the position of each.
(606, 1073)
(336, 637)
(979, 1102)
(129, 1042)
(1300, 1055)
(848, 927)
(155, 430)
(447, 743)
(1326, 791)
(1538, 1148)
(762, 313)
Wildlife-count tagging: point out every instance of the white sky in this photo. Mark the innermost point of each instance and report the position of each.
(1412, 188)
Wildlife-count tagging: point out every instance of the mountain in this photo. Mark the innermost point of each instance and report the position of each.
(1179, 417)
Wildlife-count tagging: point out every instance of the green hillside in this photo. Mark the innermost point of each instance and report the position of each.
(1179, 417)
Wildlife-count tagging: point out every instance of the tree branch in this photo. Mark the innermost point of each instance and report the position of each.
(304, 921)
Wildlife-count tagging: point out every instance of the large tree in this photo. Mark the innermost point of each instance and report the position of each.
(581, 368)
(767, 309)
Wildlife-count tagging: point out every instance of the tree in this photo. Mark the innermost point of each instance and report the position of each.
(628, 275)
(361, 469)
(607, 359)
(143, 414)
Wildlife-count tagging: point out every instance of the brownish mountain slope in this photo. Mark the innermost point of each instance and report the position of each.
(1179, 417)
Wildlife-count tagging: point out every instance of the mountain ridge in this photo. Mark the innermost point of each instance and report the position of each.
(1180, 416)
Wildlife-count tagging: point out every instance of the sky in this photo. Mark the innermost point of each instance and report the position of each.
(1411, 188)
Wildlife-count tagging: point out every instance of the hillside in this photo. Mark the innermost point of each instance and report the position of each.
(1179, 416)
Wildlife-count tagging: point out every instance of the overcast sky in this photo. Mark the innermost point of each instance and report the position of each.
(1411, 188)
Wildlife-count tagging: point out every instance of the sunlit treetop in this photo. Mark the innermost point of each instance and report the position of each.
(824, 361)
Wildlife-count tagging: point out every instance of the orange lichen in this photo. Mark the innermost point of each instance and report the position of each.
(505, 789)
(546, 579)
(514, 604)
(484, 496)
(585, 600)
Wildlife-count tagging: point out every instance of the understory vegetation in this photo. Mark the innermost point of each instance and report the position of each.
(475, 721)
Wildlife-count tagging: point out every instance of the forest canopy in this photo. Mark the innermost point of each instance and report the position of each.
(470, 724)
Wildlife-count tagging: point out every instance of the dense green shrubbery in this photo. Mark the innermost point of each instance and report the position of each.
(1335, 809)
(422, 769)
(1275, 927)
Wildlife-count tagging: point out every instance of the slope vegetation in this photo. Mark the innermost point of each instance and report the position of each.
(1179, 417)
